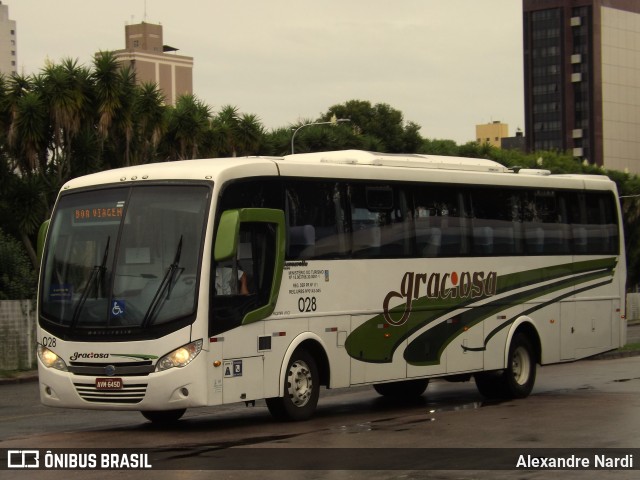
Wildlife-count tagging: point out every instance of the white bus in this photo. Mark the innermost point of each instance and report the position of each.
(207, 282)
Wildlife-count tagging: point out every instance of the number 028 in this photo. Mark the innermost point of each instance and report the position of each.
(307, 304)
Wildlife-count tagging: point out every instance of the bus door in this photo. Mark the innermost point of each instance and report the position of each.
(248, 262)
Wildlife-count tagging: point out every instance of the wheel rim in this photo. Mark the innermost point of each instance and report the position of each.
(520, 365)
(300, 384)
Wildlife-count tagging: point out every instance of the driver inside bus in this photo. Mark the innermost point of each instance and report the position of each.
(225, 284)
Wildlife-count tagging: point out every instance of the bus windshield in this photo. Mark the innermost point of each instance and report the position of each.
(124, 261)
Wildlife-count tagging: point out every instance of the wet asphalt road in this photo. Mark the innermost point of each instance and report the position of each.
(587, 404)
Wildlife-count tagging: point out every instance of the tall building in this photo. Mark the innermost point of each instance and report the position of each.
(492, 133)
(582, 79)
(152, 61)
(8, 43)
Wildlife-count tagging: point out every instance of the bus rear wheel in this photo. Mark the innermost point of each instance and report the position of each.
(301, 389)
(163, 417)
(515, 381)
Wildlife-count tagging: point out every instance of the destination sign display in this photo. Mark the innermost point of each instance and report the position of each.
(97, 214)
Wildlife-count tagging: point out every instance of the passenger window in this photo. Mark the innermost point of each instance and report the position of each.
(316, 223)
(495, 224)
(547, 229)
(594, 226)
(439, 223)
(380, 222)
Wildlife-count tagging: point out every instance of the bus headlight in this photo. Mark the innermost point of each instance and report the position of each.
(50, 359)
(180, 357)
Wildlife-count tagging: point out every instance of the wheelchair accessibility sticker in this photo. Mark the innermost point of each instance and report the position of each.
(117, 309)
(232, 368)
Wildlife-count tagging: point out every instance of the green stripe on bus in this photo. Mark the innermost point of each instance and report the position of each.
(375, 341)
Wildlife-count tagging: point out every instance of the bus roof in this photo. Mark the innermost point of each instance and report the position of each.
(343, 164)
(359, 157)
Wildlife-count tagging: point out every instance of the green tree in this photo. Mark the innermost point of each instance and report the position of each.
(236, 134)
(249, 134)
(380, 121)
(65, 88)
(123, 121)
(107, 84)
(150, 113)
(187, 126)
(17, 276)
(28, 134)
(439, 147)
(276, 142)
(629, 190)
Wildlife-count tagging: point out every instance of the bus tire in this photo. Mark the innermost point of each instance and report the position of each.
(163, 417)
(520, 375)
(490, 384)
(515, 381)
(301, 389)
(403, 389)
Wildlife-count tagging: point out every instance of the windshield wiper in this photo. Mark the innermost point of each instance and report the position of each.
(97, 272)
(166, 283)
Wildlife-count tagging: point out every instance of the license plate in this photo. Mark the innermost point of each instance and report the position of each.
(108, 383)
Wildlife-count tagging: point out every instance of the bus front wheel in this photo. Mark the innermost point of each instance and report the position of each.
(301, 389)
(515, 381)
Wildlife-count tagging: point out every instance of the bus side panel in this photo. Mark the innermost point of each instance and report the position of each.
(567, 329)
(283, 332)
(448, 353)
(242, 364)
(548, 325)
(215, 375)
(597, 320)
(594, 322)
(387, 368)
(243, 379)
(333, 331)
(465, 353)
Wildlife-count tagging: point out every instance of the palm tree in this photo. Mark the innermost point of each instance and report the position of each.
(27, 197)
(237, 134)
(65, 88)
(5, 109)
(188, 123)
(249, 134)
(28, 134)
(108, 82)
(149, 111)
(124, 118)
(225, 126)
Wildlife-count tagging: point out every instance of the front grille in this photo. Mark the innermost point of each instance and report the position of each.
(121, 369)
(130, 394)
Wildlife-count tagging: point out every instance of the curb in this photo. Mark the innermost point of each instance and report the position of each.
(23, 377)
(615, 354)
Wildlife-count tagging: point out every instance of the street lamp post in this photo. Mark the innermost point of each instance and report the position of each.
(333, 121)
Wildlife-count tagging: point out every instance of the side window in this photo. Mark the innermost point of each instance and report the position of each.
(252, 193)
(439, 222)
(316, 222)
(546, 223)
(609, 218)
(594, 224)
(495, 222)
(380, 222)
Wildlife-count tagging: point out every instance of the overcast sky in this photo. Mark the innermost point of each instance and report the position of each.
(446, 64)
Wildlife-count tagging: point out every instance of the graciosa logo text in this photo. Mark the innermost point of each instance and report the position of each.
(89, 355)
(438, 286)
